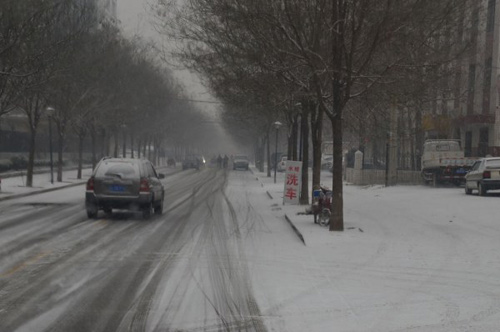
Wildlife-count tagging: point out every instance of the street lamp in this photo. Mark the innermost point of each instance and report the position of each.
(277, 125)
(50, 113)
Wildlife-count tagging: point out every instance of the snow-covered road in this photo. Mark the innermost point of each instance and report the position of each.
(185, 270)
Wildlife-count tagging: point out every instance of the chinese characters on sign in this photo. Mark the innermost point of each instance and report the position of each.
(292, 182)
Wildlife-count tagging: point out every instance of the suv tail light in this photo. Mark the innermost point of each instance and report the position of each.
(90, 184)
(144, 188)
(486, 175)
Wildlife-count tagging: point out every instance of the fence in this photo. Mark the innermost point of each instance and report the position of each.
(360, 176)
(375, 176)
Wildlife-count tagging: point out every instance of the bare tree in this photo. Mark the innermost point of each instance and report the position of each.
(334, 51)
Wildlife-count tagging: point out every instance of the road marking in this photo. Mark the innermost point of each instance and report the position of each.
(21, 266)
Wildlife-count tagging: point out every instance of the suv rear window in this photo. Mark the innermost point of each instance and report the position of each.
(118, 169)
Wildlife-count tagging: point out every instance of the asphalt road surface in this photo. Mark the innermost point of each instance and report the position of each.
(182, 271)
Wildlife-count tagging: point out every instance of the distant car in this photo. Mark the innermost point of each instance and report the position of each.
(118, 183)
(327, 161)
(282, 164)
(483, 176)
(240, 162)
(193, 161)
(275, 158)
(202, 161)
(171, 162)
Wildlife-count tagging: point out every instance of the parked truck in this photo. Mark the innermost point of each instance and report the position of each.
(443, 161)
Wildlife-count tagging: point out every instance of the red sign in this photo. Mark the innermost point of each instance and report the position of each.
(292, 182)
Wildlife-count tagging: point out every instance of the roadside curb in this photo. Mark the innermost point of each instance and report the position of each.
(42, 191)
(299, 234)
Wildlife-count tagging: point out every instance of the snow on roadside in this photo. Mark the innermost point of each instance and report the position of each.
(411, 258)
(17, 185)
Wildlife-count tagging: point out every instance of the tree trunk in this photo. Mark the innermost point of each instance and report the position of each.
(294, 138)
(156, 152)
(419, 137)
(139, 142)
(115, 153)
(149, 149)
(94, 157)
(304, 129)
(362, 135)
(105, 151)
(60, 149)
(262, 153)
(269, 162)
(31, 159)
(80, 156)
(132, 145)
(124, 150)
(337, 217)
(316, 140)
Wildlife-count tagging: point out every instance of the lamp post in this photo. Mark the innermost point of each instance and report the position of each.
(277, 125)
(50, 112)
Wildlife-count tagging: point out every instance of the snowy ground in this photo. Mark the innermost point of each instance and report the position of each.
(412, 258)
(17, 185)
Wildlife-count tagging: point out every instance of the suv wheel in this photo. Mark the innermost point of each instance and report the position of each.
(467, 190)
(159, 207)
(434, 180)
(147, 210)
(481, 189)
(92, 212)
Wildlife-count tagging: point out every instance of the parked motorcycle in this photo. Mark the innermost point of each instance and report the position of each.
(322, 206)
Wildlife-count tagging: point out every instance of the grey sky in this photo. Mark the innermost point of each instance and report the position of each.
(133, 16)
(135, 20)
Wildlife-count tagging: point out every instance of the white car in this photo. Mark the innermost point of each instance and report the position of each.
(240, 162)
(327, 161)
(483, 176)
(282, 164)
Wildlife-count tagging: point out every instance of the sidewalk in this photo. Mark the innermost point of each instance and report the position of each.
(302, 224)
(15, 185)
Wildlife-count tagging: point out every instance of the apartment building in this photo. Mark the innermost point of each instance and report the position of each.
(475, 114)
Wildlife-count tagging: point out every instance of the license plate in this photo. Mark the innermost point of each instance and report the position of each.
(117, 188)
(461, 171)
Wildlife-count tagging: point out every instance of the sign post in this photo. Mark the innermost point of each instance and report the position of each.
(293, 171)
